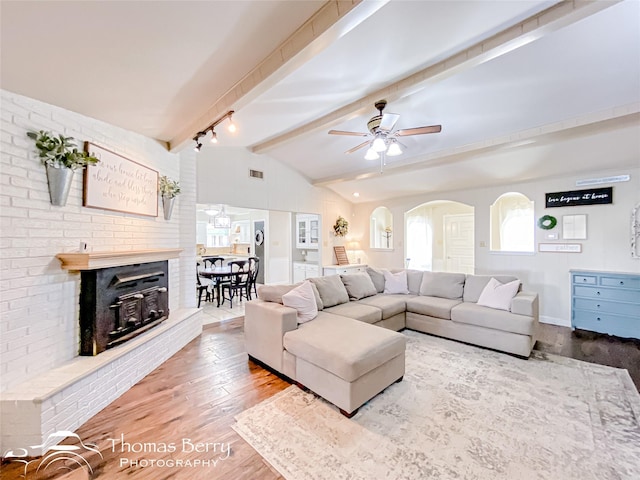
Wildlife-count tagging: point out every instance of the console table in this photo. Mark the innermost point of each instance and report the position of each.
(606, 302)
(344, 269)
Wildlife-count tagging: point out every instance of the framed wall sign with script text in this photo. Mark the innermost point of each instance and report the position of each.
(119, 184)
(590, 196)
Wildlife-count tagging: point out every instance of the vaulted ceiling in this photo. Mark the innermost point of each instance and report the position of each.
(532, 81)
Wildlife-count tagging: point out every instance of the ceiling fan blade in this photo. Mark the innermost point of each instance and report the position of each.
(342, 132)
(358, 147)
(388, 121)
(419, 130)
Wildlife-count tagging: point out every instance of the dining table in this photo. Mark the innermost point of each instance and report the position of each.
(218, 274)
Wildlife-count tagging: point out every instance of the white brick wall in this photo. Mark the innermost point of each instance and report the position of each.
(65, 397)
(38, 300)
(43, 385)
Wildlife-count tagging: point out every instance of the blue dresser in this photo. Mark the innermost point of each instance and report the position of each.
(606, 302)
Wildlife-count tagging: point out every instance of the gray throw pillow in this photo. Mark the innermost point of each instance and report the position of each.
(274, 293)
(358, 285)
(331, 289)
(377, 277)
(442, 284)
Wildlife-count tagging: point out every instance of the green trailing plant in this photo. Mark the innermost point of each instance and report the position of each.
(60, 151)
(341, 227)
(168, 188)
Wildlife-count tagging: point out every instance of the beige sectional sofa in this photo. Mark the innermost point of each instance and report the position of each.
(343, 357)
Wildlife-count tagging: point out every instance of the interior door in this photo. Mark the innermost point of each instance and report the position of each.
(258, 228)
(458, 243)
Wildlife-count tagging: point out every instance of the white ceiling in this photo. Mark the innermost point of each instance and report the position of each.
(154, 67)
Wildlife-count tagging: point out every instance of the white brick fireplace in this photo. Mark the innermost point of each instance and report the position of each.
(44, 385)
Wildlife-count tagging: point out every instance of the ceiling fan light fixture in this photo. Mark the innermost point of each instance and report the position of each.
(394, 149)
(379, 145)
(371, 154)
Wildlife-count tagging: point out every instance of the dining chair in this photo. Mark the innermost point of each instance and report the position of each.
(254, 268)
(202, 287)
(212, 262)
(238, 285)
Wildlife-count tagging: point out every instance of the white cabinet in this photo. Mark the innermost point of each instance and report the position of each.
(307, 231)
(302, 271)
(344, 269)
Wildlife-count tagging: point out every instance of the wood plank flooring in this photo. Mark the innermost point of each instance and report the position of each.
(197, 392)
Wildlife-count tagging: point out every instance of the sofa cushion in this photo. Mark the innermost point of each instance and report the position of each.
(498, 295)
(395, 282)
(389, 304)
(442, 284)
(303, 300)
(377, 277)
(357, 311)
(358, 285)
(414, 279)
(474, 284)
(331, 290)
(328, 342)
(473, 314)
(273, 293)
(432, 306)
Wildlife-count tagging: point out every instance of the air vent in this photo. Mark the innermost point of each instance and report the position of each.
(256, 174)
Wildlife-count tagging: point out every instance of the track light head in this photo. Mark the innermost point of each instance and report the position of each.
(197, 147)
(232, 126)
(214, 136)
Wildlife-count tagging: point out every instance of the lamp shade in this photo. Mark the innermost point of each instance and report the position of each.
(371, 155)
(379, 145)
(394, 149)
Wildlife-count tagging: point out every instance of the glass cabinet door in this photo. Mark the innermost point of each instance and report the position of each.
(302, 232)
(313, 232)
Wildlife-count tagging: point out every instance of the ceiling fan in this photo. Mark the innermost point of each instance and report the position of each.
(381, 137)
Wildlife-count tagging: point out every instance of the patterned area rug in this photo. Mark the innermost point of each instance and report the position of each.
(462, 413)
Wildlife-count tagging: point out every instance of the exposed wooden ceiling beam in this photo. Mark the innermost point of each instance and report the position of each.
(553, 18)
(333, 20)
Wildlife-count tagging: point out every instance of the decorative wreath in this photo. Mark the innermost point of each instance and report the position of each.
(259, 237)
(547, 222)
(341, 227)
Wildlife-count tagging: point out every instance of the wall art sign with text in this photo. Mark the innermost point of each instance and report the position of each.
(119, 184)
(590, 196)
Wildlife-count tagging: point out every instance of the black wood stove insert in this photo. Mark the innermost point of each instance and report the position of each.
(119, 303)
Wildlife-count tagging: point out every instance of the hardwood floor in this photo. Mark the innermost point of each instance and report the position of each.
(592, 347)
(193, 398)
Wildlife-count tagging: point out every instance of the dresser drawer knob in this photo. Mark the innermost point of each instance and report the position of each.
(598, 319)
(621, 282)
(598, 305)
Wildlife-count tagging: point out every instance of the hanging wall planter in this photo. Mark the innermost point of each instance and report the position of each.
(169, 190)
(59, 180)
(61, 158)
(167, 206)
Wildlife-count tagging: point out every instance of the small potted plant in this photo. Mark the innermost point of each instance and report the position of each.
(169, 190)
(61, 158)
(341, 228)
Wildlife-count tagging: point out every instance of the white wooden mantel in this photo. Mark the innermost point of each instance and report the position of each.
(95, 260)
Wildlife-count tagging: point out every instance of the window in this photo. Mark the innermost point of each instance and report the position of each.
(512, 223)
(380, 229)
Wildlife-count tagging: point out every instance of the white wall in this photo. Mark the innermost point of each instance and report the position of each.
(38, 300)
(607, 246)
(223, 177)
(278, 238)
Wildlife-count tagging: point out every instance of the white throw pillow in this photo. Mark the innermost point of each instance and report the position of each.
(395, 282)
(498, 295)
(303, 300)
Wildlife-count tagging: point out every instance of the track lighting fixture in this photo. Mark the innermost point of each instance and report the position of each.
(232, 126)
(214, 135)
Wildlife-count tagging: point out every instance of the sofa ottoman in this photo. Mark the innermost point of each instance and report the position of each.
(345, 361)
